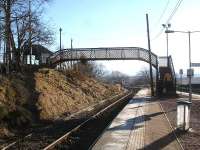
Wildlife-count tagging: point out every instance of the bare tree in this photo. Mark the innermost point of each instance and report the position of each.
(16, 18)
(116, 77)
(143, 77)
(1, 36)
(90, 68)
(98, 70)
(40, 34)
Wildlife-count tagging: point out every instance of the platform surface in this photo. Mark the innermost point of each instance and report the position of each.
(140, 125)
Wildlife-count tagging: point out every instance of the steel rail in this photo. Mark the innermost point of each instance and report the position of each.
(65, 136)
(103, 102)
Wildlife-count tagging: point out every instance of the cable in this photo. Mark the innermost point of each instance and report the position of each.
(174, 11)
(158, 34)
(161, 16)
(163, 13)
(170, 17)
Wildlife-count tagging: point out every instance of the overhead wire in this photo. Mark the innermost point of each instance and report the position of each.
(163, 13)
(158, 34)
(175, 10)
(161, 16)
(169, 18)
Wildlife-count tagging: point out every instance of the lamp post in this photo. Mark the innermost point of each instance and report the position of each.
(60, 45)
(190, 72)
(30, 33)
(71, 62)
(181, 78)
(167, 26)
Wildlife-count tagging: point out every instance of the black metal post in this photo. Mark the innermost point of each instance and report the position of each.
(157, 77)
(190, 76)
(30, 34)
(71, 53)
(60, 45)
(167, 26)
(150, 63)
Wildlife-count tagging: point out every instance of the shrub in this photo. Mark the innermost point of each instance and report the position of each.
(20, 117)
(3, 112)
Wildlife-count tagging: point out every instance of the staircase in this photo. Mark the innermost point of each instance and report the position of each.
(166, 85)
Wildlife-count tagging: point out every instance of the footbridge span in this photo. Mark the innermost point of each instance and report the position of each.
(120, 53)
(107, 53)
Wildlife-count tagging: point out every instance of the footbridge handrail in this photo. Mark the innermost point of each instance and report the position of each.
(172, 69)
(104, 53)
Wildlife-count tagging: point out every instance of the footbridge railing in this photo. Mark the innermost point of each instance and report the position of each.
(108, 53)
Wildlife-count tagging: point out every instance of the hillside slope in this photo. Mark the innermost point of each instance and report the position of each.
(67, 93)
(47, 94)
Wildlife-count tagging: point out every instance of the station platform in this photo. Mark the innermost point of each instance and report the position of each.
(185, 94)
(140, 125)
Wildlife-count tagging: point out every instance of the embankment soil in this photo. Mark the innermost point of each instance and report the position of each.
(46, 94)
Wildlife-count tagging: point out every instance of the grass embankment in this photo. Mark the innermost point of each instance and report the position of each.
(47, 94)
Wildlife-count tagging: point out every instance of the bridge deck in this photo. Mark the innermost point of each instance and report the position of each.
(140, 125)
(107, 53)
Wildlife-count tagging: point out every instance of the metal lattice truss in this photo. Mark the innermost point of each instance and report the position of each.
(110, 53)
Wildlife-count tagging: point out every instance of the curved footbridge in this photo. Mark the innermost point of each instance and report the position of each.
(163, 65)
(140, 125)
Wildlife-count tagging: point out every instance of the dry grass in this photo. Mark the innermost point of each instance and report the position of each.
(68, 92)
(51, 93)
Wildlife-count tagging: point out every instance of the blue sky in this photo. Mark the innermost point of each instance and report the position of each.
(101, 23)
(95, 23)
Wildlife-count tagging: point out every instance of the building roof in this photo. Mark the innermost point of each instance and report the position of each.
(37, 50)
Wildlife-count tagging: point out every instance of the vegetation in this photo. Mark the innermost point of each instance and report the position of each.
(91, 69)
(20, 27)
(46, 94)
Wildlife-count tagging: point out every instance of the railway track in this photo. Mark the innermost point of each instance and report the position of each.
(53, 137)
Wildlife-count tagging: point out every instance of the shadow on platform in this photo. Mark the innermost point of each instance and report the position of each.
(132, 124)
(164, 141)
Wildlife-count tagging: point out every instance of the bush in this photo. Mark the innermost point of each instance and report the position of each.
(20, 117)
(3, 112)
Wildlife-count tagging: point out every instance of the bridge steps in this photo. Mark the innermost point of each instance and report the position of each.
(167, 80)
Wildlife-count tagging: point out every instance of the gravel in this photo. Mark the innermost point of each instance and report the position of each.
(189, 140)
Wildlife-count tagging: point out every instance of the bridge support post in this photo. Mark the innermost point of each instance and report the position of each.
(157, 80)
